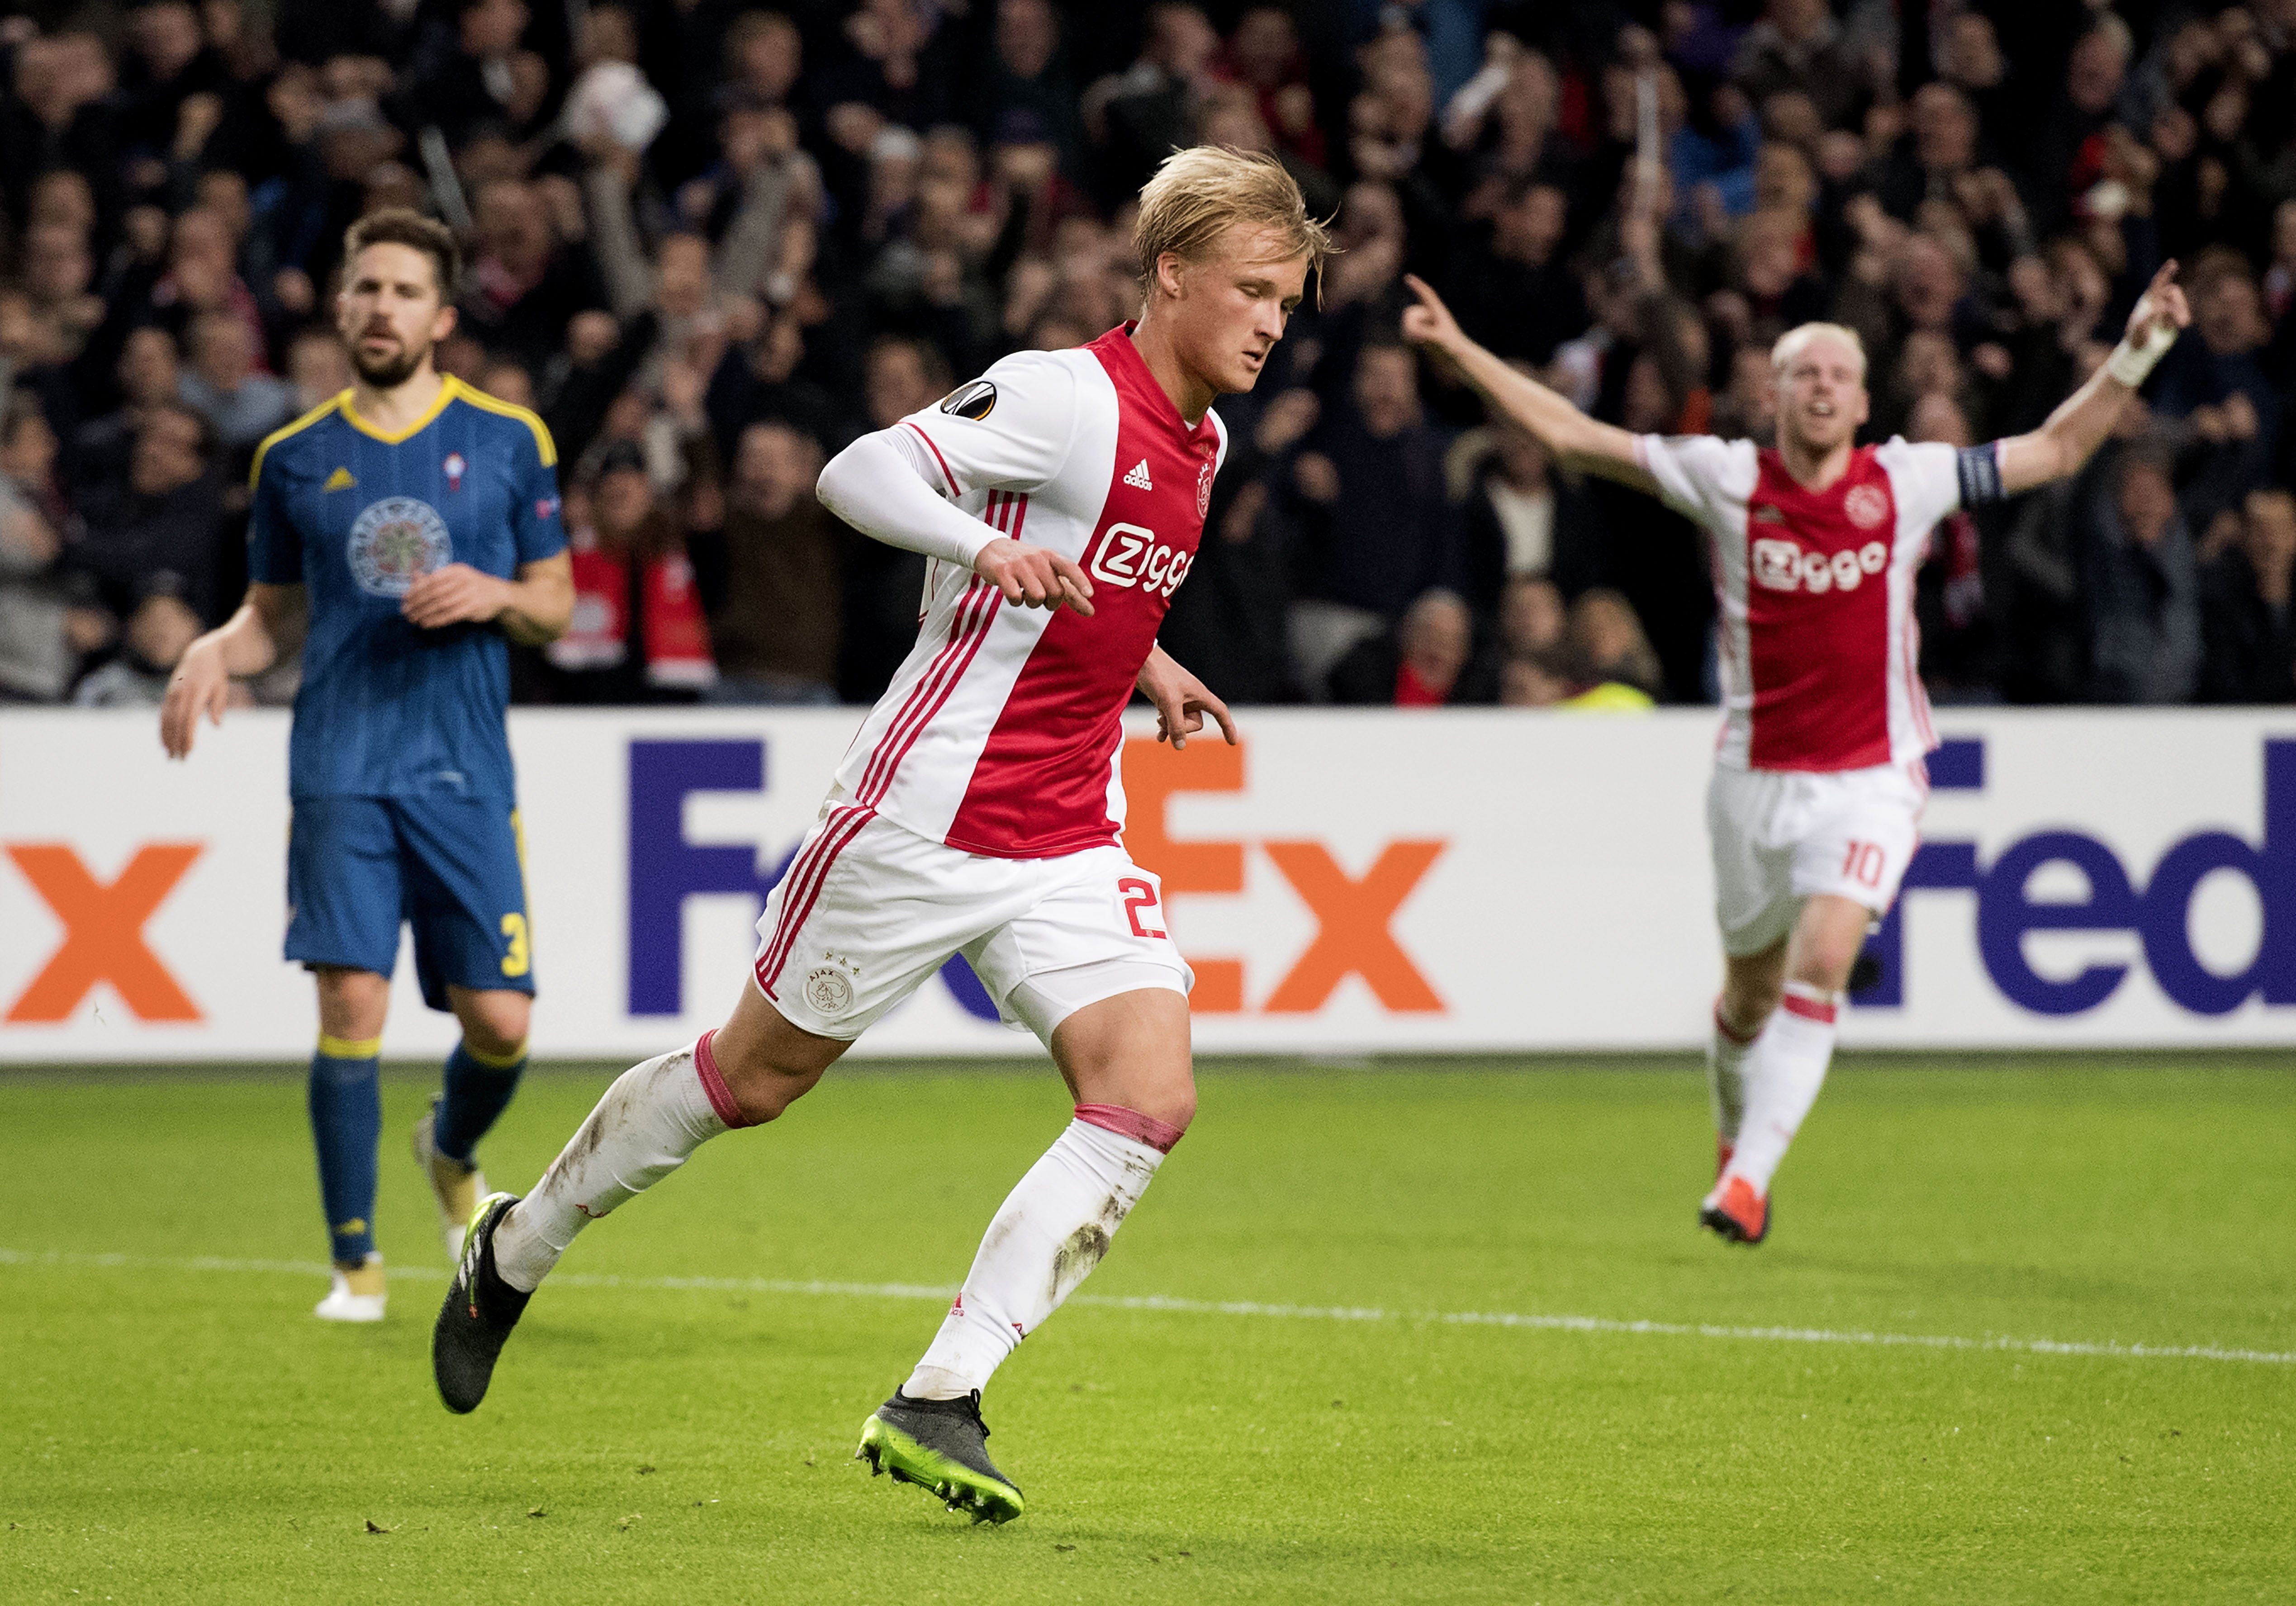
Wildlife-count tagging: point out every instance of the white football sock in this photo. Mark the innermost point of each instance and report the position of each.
(652, 1117)
(1052, 1230)
(1725, 1075)
(1782, 1075)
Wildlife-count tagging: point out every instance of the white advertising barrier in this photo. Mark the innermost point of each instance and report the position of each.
(1343, 884)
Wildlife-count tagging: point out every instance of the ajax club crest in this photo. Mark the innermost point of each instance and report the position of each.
(395, 541)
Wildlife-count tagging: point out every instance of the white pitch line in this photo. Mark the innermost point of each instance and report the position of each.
(1234, 1307)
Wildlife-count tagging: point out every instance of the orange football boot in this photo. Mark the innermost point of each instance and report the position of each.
(1737, 1212)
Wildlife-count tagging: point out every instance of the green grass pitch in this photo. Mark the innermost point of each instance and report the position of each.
(675, 1420)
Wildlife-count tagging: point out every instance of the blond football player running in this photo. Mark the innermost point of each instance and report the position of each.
(1815, 807)
(1061, 496)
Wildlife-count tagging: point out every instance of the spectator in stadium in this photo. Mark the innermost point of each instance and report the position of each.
(2247, 607)
(1367, 503)
(319, 371)
(163, 530)
(222, 386)
(1612, 659)
(779, 624)
(148, 375)
(1519, 297)
(1519, 518)
(156, 633)
(2217, 387)
(638, 633)
(2138, 574)
(1535, 680)
(1427, 660)
(1533, 618)
(525, 285)
(1799, 48)
(36, 660)
(832, 177)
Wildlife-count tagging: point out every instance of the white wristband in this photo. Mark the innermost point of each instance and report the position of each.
(2131, 363)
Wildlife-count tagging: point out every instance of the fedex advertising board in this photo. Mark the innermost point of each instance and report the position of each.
(1342, 883)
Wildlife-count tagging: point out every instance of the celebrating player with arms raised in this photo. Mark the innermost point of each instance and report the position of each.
(1815, 805)
(1061, 497)
(400, 532)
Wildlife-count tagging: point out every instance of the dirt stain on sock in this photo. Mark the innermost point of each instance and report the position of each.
(1073, 1261)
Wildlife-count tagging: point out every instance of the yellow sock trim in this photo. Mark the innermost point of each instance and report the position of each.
(350, 1048)
(493, 1061)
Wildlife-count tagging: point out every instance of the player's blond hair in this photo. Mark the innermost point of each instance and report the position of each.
(1199, 192)
(1795, 341)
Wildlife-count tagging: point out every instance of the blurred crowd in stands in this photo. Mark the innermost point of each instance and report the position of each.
(711, 241)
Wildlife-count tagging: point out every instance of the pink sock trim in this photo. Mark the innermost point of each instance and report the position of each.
(721, 1097)
(1130, 1123)
(1722, 1025)
(1808, 1004)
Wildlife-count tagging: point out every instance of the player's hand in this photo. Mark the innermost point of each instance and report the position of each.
(1181, 699)
(456, 595)
(1033, 577)
(2161, 306)
(200, 685)
(1429, 322)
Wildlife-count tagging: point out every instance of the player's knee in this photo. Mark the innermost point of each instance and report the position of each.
(494, 1023)
(352, 1002)
(1824, 963)
(1168, 1100)
(761, 1082)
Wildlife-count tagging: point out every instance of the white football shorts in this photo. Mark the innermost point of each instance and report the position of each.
(1780, 836)
(869, 910)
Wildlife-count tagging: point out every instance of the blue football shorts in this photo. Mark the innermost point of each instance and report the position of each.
(451, 867)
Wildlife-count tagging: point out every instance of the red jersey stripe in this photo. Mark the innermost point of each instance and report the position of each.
(953, 489)
(835, 840)
(799, 876)
(921, 703)
(979, 635)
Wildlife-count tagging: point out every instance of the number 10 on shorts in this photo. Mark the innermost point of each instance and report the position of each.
(1863, 863)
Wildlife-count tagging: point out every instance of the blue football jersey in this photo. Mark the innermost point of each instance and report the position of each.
(354, 515)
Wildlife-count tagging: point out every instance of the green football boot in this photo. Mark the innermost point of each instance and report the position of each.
(941, 1445)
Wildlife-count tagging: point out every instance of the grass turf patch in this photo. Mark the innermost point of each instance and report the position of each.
(179, 1428)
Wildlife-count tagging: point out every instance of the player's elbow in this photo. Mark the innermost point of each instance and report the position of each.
(843, 477)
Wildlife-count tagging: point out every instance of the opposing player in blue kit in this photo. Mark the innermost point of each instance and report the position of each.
(400, 533)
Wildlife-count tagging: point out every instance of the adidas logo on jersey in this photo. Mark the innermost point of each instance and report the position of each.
(1138, 477)
(339, 480)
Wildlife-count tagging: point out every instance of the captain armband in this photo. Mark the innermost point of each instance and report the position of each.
(1979, 470)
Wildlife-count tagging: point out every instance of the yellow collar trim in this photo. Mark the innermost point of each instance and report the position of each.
(449, 388)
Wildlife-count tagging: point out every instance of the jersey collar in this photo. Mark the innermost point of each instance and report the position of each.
(450, 386)
(1118, 342)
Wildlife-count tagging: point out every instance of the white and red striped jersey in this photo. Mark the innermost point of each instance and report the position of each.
(1001, 734)
(1818, 646)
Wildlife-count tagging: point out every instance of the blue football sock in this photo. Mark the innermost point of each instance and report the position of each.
(478, 1090)
(346, 1123)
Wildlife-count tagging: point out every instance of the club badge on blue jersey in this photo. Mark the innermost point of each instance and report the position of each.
(395, 542)
(455, 469)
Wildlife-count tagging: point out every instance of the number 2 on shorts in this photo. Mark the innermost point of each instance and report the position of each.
(1138, 894)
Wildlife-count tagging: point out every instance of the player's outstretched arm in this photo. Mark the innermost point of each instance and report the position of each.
(1579, 443)
(874, 486)
(532, 608)
(268, 624)
(2082, 420)
(1181, 699)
